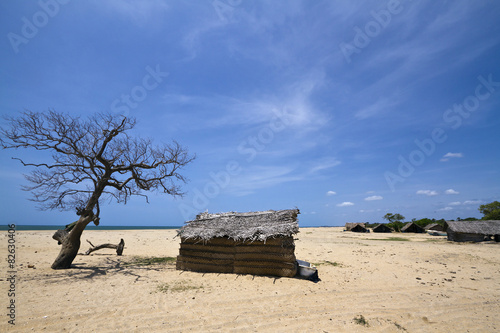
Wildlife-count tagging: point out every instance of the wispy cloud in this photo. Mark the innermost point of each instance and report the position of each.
(345, 204)
(466, 202)
(325, 164)
(447, 157)
(374, 197)
(260, 177)
(427, 192)
(139, 12)
(381, 106)
(451, 191)
(472, 202)
(329, 193)
(446, 209)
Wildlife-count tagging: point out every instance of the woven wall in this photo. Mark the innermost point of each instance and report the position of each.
(275, 257)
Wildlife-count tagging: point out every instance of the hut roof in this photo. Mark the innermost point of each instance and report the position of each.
(412, 226)
(434, 226)
(381, 227)
(486, 227)
(349, 226)
(254, 226)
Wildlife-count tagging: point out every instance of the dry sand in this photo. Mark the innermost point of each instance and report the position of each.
(424, 284)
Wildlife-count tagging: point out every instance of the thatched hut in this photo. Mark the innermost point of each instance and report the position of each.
(434, 227)
(413, 227)
(473, 231)
(356, 227)
(382, 228)
(259, 243)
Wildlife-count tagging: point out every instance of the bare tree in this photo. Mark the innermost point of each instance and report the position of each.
(93, 160)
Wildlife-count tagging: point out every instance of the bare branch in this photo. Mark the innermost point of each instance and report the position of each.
(89, 156)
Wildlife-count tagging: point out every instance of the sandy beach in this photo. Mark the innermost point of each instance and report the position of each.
(369, 283)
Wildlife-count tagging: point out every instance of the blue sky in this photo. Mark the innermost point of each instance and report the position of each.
(347, 110)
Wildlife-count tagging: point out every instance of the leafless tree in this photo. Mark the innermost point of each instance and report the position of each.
(93, 160)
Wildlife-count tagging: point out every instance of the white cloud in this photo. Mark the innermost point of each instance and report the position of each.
(451, 191)
(374, 197)
(259, 177)
(345, 204)
(446, 208)
(325, 164)
(427, 192)
(472, 202)
(455, 203)
(331, 193)
(447, 157)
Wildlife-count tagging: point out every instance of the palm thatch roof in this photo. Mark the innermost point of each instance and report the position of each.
(351, 225)
(486, 227)
(253, 226)
(382, 228)
(434, 226)
(412, 227)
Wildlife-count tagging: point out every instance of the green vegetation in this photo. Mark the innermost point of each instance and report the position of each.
(467, 219)
(360, 320)
(425, 221)
(328, 263)
(394, 239)
(490, 211)
(148, 261)
(395, 221)
(178, 286)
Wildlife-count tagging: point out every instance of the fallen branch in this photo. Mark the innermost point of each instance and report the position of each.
(119, 247)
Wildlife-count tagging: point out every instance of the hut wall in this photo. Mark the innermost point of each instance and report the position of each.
(437, 227)
(382, 228)
(274, 256)
(414, 229)
(464, 237)
(359, 228)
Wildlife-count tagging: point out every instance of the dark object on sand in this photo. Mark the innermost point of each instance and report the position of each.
(119, 247)
(307, 271)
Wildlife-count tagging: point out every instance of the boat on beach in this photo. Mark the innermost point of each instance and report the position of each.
(436, 233)
(307, 271)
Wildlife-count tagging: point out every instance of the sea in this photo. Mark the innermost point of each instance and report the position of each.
(20, 227)
(90, 227)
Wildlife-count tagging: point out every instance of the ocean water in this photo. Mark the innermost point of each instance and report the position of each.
(90, 227)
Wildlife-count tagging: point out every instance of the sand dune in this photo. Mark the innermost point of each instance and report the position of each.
(423, 284)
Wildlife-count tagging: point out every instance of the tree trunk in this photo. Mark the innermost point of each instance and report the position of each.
(119, 247)
(67, 254)
(70, 243)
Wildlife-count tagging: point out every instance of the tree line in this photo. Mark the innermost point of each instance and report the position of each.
(490, 211)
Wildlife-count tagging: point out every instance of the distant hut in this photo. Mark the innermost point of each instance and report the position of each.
(473, 231)
(413, 227)
(434, 227)
(356, 227)
(382, 228)
(259, 243)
